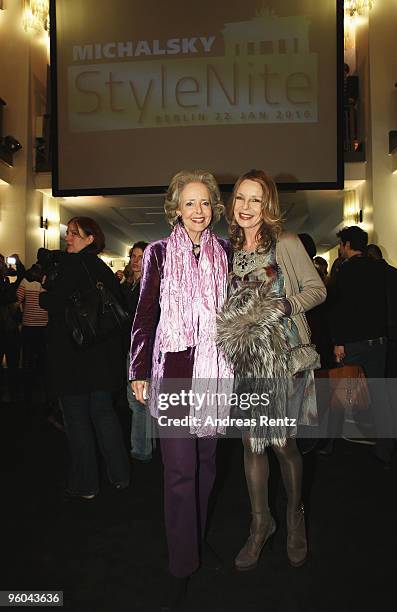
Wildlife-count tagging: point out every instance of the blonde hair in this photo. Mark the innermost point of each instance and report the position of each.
(271, 226)
(179, 182)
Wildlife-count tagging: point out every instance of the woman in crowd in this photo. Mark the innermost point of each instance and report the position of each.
(34, 329)
(274, 283)
(141, 423)
(84, 379)
(183, 285)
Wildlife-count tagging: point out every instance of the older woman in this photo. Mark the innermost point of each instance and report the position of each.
(183, 285)
(274, 283)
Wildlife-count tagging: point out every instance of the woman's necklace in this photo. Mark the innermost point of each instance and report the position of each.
(250, 249)
(195, 246)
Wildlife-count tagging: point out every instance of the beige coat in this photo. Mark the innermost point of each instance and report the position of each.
(304, 288)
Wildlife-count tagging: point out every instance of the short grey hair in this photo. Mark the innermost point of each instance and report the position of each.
(179, 182)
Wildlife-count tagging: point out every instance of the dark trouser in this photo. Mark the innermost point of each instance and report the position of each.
(371, 356)
(33, 358)
(86, 417)
(10, 346)
(189, 475)
(391, 373)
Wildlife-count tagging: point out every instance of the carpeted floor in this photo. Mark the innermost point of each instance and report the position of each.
(109, 555)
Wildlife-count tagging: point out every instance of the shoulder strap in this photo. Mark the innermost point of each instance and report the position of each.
(88, 274)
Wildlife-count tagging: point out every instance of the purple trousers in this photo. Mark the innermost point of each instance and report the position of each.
(189, 475)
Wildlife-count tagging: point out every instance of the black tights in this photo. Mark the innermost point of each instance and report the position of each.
(257, 474)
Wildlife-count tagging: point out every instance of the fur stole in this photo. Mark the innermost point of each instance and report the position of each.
(252, 336)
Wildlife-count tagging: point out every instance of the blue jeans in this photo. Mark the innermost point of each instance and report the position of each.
(88, 417)
(141, 428)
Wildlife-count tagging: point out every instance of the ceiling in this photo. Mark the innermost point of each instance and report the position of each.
(130, 218)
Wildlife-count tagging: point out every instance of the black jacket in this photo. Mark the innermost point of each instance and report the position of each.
(391, 293)
(130, 293)
(75, 371)
(360, 307)
(8, 316)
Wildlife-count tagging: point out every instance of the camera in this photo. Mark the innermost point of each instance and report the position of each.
(11, 269)
(50, 265)
(48, 259)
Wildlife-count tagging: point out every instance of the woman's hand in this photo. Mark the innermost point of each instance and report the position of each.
(284, 305)
(339, 353)
(139, 389)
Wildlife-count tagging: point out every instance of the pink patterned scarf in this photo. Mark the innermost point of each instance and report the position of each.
(191, 293)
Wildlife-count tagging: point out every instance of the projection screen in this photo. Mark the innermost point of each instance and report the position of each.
(142, 89)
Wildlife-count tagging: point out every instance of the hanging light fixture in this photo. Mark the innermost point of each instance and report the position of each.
(36, 15)
(357, 8)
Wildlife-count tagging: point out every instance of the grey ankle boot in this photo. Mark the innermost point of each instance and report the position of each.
(296, 538)
(262, 528)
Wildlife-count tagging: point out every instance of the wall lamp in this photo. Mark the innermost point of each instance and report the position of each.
(11, 144)
(359, 216)
(8, 147)
(43, 223)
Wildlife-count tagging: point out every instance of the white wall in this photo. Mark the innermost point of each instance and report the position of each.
(23, 67)
(383, 113)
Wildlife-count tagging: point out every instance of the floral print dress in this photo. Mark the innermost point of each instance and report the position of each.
(261, 267)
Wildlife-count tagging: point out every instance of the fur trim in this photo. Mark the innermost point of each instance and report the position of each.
(252, 336)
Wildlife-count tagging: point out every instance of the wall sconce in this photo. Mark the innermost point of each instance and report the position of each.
(11, 144)
(36, 15)
(358, 217)
(8, 147)
(43, 223)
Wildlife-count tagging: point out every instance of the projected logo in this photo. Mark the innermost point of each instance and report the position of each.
(266, 75)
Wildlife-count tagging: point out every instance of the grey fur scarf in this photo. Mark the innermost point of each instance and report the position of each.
(252, 336)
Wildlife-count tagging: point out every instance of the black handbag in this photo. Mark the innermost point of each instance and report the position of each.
(94, 314)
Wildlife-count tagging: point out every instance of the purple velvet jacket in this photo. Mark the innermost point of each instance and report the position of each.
(148, 310)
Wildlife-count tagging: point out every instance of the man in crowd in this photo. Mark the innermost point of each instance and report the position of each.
(359, 328)
(374, 252)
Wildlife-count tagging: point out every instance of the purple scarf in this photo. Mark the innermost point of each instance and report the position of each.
(191, 293)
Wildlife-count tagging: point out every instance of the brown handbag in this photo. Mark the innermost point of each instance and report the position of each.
(348, 387)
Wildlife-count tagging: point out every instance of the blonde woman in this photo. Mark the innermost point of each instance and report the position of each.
(273, 284)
